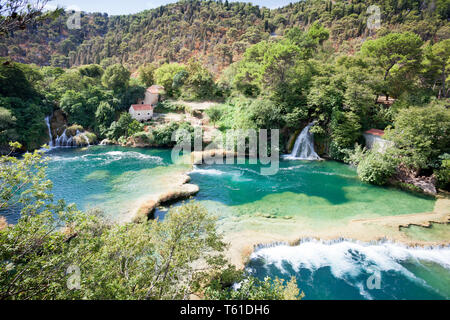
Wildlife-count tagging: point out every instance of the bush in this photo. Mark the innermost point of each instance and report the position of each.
(163, 135)
(376, 168)
(443, 174)
(215, 113)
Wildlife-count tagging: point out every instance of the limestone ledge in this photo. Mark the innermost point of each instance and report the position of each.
(181, 191)
(243, 243)
(200, 157)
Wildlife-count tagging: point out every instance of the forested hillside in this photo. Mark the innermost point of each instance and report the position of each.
(217, 32)
(310, 61)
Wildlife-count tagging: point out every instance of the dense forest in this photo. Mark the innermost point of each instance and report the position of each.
(313, 60)
(217, 32)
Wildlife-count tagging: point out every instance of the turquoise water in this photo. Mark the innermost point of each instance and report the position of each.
(324, 192)
(117, 179)
(321, 195)
(347, 270)
(110, 178)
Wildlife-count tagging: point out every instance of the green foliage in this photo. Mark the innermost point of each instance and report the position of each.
(250, 288)
(135, 127)
(104, 116)
(119, 128)
(199, 83)
(147, 74)
(165, 74)
(162, 135)
(421, 135)
(91, 71)
(345, 128)
(116, 77)
(443, 173)
(376, 168)
(147, 260)
(7, 127)
(81, 106)
(397, 54)
(214, 113)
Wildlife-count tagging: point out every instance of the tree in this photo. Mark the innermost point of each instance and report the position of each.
(18, 14)
(199, 83)
(395, 51)
(104, 116)
(146, 260)
(214, 113)
(345, 128)
(420, 135)
(7, 127)
(135, 127)
(119, 128)
(376, 168)
(116, 77)
(165, 74)
(147, 74)
(439, 62)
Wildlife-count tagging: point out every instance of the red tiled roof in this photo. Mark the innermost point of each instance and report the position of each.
(375, 132)
(141, 107)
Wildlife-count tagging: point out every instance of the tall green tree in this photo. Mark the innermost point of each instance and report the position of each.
(116, 77)
(394, 53)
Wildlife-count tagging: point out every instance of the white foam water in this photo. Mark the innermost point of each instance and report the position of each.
(209, 172)
(348, 258)
(303, 147)
(108, 157)
(354, 263)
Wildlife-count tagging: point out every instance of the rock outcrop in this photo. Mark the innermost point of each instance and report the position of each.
(200, 157)
(3, 223)
(180, 192)
(425, 184)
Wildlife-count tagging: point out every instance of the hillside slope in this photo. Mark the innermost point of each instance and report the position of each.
(217, 32)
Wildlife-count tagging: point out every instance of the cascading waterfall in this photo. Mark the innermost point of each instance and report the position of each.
(304, 146)
(47, 122)
(65, 140)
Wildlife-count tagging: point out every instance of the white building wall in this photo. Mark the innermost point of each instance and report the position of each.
(151, 98)
(376, 143)
(141, 115)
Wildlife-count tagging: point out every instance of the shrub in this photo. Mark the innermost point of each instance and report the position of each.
(376, 168)
(443, 174)
(142, 137)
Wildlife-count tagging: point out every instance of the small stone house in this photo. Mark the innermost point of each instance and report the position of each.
(141, 112)
(152, 95)
(374, 140)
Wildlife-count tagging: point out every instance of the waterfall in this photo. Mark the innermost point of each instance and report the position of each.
(65, 140)
(47, 122)
(304, 146)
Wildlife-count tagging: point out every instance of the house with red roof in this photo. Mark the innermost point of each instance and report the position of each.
(143, 111)
(374, 140)
(152, 95)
